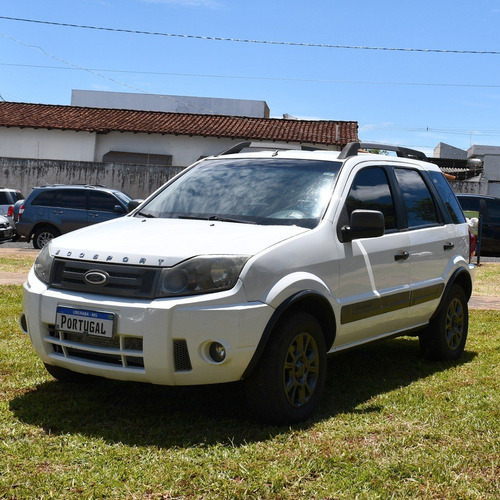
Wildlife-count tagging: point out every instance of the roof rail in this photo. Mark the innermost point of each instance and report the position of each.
(353, 148)
(236, 148)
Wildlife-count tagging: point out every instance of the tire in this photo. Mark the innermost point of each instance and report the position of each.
(43, 235)
(445, 337)
(289, 379)
(64, 375)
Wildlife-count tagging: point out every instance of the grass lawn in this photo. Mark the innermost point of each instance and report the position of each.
(391, 425)
(16, 262)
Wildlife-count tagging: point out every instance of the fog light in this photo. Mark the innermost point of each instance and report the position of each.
(217, 352)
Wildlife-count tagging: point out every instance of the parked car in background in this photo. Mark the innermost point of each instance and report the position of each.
(50, 211)
(489, 210)
(8, 198)
(6, 229)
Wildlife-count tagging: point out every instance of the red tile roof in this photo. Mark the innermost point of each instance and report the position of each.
(100, 120)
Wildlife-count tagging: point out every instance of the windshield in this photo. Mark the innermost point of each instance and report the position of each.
(125, 198)
(255, 191)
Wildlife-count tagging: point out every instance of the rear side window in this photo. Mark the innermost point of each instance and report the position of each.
(493, 208)
(370, 191)
(5, 198)
(470, 204)
(420, 207)
(449, 198)
(102, 201)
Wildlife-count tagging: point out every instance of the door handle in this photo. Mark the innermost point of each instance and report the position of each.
(448, 246)
(401, 256)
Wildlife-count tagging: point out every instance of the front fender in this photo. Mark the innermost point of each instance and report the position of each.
(293, 284)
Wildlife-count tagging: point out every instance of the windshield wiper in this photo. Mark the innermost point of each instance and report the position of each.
(216, 218)
(229, 219)
(149, 216)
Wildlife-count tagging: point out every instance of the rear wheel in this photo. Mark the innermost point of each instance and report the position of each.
(445, 337)
(287, 384)
(43, 235)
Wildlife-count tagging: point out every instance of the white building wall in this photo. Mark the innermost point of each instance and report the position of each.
(46, 144)
(491, 166)
(185, 150)
(170, 103)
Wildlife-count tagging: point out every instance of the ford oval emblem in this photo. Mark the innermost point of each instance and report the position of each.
(94, 277)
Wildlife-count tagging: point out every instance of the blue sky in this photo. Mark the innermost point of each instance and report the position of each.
(411, 98)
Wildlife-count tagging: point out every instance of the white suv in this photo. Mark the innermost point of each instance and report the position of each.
(253, 267)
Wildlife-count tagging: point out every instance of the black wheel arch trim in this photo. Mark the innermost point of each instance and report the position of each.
(304, 297)
(460, 276)
(40, 225)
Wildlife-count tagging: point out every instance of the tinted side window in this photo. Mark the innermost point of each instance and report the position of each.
(469, 204)
(71, 198)
(420, 208)
(370, 191)
(45, 198)
(5, 198)
(450, 200)
(102, 201)
(493, 207)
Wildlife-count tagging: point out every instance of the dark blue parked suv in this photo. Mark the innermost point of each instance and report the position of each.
(489, 209)
(50, 211)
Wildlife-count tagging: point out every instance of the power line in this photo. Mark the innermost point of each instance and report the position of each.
(247, 77)
(244, 40)
(96, 72)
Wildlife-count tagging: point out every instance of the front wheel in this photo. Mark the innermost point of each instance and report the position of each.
(43, 235)
(445, 337)
(288, 382)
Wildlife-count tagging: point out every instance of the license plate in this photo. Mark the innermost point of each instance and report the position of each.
(100, 324)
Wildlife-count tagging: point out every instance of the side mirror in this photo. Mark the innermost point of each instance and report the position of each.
(364, 224)
(133, 204)
(118, 209)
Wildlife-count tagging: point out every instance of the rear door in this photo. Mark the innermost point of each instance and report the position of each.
(433, 241)
(375, 272)
(491, 227)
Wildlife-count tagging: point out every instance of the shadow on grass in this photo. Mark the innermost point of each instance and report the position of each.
(146, 415)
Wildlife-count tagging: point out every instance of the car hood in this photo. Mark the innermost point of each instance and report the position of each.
(166, 242)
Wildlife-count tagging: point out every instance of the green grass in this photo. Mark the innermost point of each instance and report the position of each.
(391, 425)
(16, 263)
(487, 281)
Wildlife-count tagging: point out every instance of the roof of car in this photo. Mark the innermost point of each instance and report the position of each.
(325, 155)
(473, 195)
(74, 186)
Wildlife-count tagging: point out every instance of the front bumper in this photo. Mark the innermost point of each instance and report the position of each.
(162, 341)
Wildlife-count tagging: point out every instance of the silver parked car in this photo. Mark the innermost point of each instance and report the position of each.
(7, 231)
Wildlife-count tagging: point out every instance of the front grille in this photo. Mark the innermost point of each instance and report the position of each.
(123, 280)
(119, 350)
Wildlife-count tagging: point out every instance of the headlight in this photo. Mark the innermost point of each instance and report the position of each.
(43, 264)
(206, 274)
